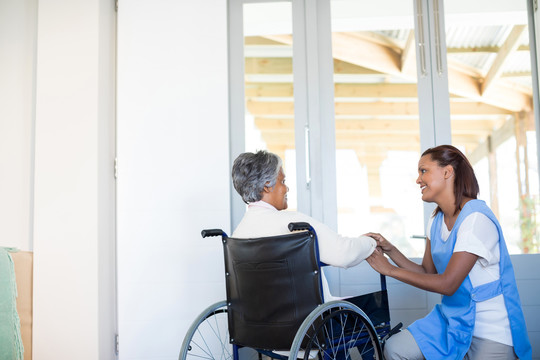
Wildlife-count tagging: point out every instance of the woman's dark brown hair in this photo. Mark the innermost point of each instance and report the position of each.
(465, 183)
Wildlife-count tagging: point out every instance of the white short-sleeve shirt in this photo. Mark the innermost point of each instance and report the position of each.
(478, 235)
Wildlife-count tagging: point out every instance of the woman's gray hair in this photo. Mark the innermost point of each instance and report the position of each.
(251, 172)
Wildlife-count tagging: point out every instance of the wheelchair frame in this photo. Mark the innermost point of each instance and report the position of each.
(335, 330)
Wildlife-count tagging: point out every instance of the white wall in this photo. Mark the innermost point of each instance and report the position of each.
(173, 169)
(18, 23)
(74, 186)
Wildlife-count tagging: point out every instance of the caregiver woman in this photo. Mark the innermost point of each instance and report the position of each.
(465, 260)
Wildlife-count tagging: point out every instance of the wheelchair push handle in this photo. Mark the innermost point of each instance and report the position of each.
(213, 232)
(296, 226)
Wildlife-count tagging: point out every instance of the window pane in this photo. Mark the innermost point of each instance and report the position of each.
(269, 84)
(377, 124)
(491, 105)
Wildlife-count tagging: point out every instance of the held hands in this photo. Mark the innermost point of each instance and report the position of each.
(379, 262)
(382, 243)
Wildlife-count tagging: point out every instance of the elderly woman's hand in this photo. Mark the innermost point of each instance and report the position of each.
(382, 243)
(380, 263)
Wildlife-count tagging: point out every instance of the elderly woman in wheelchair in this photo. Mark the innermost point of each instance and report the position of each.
(260, 181)
(278, 301)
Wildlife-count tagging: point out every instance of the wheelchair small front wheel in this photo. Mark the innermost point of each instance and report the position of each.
(337, 330)
(208, 336)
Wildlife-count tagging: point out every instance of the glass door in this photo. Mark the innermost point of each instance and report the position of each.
(349, 93)
(262, 86)
(377, 124)
(269, 84)
(278, 69)
(492, 109)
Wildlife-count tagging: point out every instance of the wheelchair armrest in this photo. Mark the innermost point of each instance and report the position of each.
(394, 331)
(213, 232)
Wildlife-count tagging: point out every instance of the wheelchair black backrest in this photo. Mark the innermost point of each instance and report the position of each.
(272, 283)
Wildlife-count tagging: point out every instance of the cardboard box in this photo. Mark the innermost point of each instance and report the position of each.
(23, 263)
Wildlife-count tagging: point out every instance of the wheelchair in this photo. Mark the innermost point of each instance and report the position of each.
(275, 305)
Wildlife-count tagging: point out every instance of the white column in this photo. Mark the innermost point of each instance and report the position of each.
(173, 169)
(74, 187)
(18, 22)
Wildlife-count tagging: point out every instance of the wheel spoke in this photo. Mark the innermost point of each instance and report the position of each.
(208, 337)
(340, 333)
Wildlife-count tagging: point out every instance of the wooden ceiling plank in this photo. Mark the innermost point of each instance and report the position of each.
(505, 96)
(408, 56)
(510, 44)
(481, 49)
(259, 108)
(341, 90)
(373, 56)
(268, 65)
(375, 90)
(375, 126)
(461, 83)
(260, 40)
(283, 65)
(269, 90)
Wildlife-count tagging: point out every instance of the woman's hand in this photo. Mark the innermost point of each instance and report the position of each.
(401, 261)
(382, 243)
(380, 263)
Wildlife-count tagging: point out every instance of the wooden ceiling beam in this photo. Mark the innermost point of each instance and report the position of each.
(362, 90)
(356, 140)
(260, 40)
(498, 137)
(268, 65)
(265, 41)
(383, 59)
(283, 65)
(269, 108)
(380, 127)
(510, 45)
(481, 49)
(516, 74)
(408, 56)
(345, 48)
(503, 95)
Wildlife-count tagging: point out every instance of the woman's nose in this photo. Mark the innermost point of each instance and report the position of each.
(418, 179)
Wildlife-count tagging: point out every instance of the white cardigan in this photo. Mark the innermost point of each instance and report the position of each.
(262, 219)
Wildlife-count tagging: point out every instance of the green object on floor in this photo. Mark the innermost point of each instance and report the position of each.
(11, 346)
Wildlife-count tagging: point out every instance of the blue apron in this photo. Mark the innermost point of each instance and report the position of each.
(446, 332)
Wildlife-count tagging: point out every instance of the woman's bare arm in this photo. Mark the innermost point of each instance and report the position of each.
(447, 283)
(401, 260)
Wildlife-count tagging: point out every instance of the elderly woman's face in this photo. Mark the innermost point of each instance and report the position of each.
(277, 195)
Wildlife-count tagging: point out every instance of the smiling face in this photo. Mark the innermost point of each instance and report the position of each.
(277, 195)
(434, 180)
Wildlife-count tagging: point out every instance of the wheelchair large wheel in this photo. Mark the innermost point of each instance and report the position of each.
(208, 336)
(337, 330)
